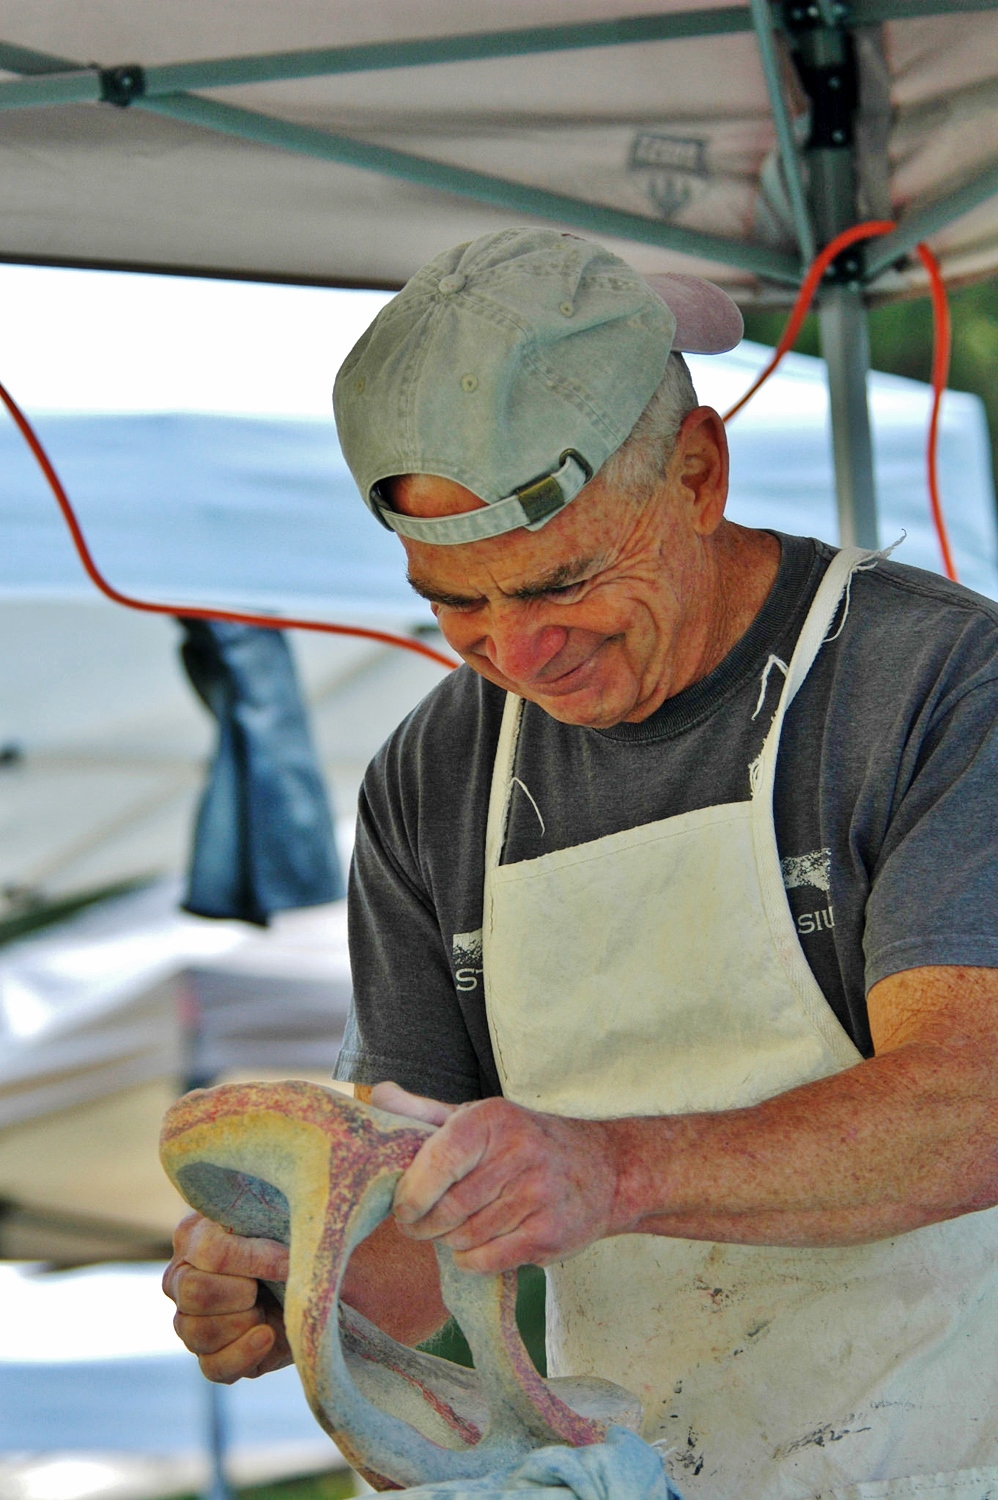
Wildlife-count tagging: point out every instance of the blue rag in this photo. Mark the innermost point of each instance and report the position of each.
(622, 1468)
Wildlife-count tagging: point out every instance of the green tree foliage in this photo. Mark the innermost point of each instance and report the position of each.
(901, 342)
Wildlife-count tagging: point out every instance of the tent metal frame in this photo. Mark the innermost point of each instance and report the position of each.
(821, 199)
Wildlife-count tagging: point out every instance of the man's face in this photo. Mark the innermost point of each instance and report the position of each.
(600, 615)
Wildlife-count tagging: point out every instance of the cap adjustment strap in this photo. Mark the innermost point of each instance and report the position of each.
(531, 506)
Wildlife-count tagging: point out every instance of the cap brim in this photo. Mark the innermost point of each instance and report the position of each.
(707, 321)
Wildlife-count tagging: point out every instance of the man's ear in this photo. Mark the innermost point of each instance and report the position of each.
(699, 468)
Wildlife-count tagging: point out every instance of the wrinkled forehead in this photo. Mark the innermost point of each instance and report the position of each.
(574, 544)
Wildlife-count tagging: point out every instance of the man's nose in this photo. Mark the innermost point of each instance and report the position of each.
(520, 649)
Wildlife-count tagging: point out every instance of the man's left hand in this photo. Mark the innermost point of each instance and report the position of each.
(501, 1185)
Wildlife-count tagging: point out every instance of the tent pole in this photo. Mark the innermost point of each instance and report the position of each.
(591, 218)
(218, 1484)
(929, 218)
(762, 20)
(825, 58)
(845, 345)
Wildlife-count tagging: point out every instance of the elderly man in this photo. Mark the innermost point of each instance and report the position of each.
(675, 913)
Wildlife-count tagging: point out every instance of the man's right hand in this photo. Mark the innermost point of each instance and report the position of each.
(234, 1326)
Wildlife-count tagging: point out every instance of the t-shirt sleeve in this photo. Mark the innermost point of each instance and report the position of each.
(405, 1023)
(934, 893)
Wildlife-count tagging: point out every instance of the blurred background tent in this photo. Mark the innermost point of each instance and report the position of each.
(102, 1015)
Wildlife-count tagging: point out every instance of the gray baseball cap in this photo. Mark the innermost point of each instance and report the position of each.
(514, 365)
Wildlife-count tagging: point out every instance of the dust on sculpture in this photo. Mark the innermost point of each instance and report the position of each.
(317, 1170)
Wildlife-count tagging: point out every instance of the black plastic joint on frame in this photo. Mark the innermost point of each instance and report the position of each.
(119, 86)
(848, 268)
(805, 15)
(825, 59)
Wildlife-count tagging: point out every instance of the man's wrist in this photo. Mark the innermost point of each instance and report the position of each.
(640, 1191)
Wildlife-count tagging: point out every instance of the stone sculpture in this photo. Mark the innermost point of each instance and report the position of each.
(317, 1170)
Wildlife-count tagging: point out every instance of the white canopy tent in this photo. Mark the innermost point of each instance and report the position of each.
(345, 144)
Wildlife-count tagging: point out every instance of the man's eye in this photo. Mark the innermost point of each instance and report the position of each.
(567, 593)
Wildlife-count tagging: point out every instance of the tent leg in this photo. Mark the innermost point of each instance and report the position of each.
(845, 345)
(218, 1484)
(825, 56)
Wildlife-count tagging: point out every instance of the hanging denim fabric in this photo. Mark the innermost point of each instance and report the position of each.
(264, 838)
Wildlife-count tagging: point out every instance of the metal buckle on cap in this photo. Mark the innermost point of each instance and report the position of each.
(531, 507)
(544, 497)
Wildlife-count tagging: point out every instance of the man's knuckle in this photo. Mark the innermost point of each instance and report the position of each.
(197, 1292)
(498, 1112)
(194, 1335)
(213, 1335)
(215, 1254)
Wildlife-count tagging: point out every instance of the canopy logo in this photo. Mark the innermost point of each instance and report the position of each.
(672, 161)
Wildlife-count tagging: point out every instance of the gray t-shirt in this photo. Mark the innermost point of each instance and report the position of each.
(884, 809)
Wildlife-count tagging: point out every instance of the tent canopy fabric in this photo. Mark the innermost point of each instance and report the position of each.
(328, 143)
(648, 123)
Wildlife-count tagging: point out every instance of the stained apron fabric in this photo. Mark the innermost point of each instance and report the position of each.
(264, 838)
(657, 971)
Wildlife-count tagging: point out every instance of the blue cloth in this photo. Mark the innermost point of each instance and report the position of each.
(622, 1468)
(264, 839)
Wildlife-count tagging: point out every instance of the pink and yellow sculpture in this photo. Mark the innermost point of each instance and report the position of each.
(317, 1170)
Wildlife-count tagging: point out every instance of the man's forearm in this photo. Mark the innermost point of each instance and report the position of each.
(906, 1139)
(903, 1140)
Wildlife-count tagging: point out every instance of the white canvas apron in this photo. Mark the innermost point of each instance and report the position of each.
(657, 971)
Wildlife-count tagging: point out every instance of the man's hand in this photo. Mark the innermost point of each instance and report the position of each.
(504, 1186)
(222, 1316)
(906, 1138)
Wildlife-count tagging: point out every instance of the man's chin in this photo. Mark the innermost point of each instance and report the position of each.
(592, 704)
(588, 708)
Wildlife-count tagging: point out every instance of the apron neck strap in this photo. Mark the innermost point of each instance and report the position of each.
(820, 616)
(824, 607)
(502, 781)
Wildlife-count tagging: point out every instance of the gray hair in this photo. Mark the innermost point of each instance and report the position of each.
(637, 467)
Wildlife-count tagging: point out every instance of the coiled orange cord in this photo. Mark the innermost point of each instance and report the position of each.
(942, 340)
(868, 230)
(941, 344)
(802, 304)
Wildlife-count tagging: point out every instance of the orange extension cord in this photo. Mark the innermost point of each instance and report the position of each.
(271, 622)
(941, 344)
(865, 231)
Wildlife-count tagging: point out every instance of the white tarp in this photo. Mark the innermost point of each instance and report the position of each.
(101, 1022)
(264, 513)
(222, 510)
(677, 131)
